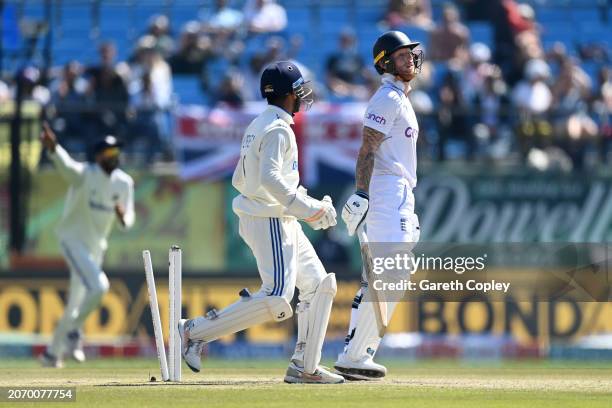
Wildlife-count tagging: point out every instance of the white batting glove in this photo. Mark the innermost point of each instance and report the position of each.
(328, 217)
(355, 210)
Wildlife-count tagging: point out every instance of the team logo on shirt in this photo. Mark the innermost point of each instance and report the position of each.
(410, 132)
(376, 118)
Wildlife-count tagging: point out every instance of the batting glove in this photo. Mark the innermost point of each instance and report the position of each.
(355, 210)
(319, 214)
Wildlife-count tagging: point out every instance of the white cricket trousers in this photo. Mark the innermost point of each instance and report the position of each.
(88, 283)
(285, 257)
(391, 221)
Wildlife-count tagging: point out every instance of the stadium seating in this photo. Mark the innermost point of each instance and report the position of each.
(79, 23)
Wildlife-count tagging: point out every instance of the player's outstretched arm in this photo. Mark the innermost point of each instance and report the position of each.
(356, 207)
(70, 169)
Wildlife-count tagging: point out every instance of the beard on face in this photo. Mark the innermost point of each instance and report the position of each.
(108, 165)
(406, 74)
(296, 106)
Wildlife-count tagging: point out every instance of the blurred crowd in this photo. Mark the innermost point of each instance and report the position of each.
(509, 99)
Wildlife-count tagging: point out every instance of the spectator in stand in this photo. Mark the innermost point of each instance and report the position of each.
(452, 116)
(223, 19)
(474, 73)
(409, 13)
(264, 16)
(346, 70)
(150, 61)
(159, 28)
(148, 124)
(230, 91)
(533, 99)
(108, 94)
(150, 98)
(194, 53)
(490, 104)
(449, 40)
(602, 108)
(32, 88)
(68, 99)
(572, 124)
(533, 95)
(517, 38)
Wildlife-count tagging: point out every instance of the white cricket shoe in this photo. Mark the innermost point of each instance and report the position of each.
(364, 369)
(295, 375)
(48, 360)
(190, 349)
(75, 346)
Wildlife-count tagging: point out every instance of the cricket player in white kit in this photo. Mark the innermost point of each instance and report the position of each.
(385, 177)
(99, 194)
(269, 206)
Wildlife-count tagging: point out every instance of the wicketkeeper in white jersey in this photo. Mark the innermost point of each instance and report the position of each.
(269, 206)
(385, 177)
(99, 194)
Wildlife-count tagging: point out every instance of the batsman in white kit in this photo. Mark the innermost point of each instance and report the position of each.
(269, 206)
(385, 177)
(99, 194)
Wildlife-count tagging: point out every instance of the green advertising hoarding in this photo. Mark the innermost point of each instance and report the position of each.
(469, 204)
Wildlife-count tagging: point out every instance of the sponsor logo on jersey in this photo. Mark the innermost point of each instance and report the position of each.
(99, 206)
(295, 165)
(410, 132)
(376, 118)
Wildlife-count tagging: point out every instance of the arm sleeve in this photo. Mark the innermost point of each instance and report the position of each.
(382, 111)
(272, 151)
(71, 170)
(130, 216)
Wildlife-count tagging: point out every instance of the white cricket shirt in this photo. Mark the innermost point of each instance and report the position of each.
(390, 112)
(89, 210)
(267, 174)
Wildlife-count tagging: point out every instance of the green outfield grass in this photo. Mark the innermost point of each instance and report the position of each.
(245, 384)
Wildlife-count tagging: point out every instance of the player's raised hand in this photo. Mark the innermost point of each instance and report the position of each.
(48, 138)
(355, 210)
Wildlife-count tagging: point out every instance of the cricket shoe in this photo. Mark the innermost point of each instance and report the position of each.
(364, 369)
(295, 375)
(75, 346)
(190, 349)
(49, 360)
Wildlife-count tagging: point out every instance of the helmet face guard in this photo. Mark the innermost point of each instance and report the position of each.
(303, 92)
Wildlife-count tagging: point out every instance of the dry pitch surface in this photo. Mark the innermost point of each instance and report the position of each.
(246, 384)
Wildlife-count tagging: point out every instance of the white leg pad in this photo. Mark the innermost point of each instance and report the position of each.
(318, 318)
(241, 315)
(365, 338)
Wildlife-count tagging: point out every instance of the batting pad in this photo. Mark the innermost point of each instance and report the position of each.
(318, 318)
(239, 316)
(365, 339)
